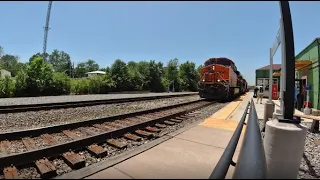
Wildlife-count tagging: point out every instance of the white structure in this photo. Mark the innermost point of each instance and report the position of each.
(94, 73)
(5, 73)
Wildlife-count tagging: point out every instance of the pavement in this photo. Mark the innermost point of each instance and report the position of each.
(191, 154)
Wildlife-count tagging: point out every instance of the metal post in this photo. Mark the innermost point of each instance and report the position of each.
(282, 77)
(289, 59)
(270, 75)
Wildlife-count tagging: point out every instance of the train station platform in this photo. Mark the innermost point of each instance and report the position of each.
(190, 153)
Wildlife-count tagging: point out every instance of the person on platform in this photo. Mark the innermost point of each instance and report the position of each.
(260, 95)
(255, 91)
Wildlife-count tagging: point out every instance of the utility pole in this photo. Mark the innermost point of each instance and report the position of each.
(46, 30)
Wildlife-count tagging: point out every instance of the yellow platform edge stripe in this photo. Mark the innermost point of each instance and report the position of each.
(220, 119)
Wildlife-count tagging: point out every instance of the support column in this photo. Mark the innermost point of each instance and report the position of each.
(284, 147)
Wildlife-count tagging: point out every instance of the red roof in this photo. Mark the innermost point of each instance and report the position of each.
(274, 67)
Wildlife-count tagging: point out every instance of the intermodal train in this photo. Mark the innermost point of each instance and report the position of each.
(220, 80)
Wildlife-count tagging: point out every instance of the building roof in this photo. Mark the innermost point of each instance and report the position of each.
(315, 40)
(274, 67)
(96, 72)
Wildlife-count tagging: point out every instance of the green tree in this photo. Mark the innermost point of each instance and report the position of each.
(1, 51)
(143, 68)
(60, 61)
(11, 63)
(172, 74)
(120, 75)
(156, 84)
(21, 84)
(91, 65)
(39, 78)
(188, 75)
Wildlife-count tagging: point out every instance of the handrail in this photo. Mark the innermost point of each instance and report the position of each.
(225, 161)
(251, 161)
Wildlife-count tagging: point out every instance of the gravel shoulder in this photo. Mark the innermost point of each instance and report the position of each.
(35, 119)
(75, 98)
(310, 161)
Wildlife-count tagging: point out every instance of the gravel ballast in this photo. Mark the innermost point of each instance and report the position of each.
(310, 162)
(35, 119)
(75, 98)
(62, 167)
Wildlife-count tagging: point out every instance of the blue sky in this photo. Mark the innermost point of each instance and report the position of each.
(194, 31)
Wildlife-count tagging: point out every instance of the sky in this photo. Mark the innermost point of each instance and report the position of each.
(133, 31)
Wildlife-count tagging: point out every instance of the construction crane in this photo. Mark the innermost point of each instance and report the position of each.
(46, 30)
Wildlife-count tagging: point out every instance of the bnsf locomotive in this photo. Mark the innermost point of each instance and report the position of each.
(220, 80)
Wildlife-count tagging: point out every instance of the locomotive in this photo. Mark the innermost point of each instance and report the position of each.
(220, 80)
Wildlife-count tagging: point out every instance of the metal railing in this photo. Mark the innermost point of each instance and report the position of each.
(251, 161)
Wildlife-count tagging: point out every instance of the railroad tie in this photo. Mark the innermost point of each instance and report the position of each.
(4, 146)
(132, 137)
(75, 161)
(160, 125)
(89, 130)
(144, 133)
(29, 143)
(97, 150)
(71, 134)
(152, 129)
(102, 127)
(46, 168)
(49, 139)
(116, 143)
(10, 173)
(168, 123)
(181, 118)
(176, 120)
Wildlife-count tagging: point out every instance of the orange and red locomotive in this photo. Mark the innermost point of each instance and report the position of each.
(220, 80)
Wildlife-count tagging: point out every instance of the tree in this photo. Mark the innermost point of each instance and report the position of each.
(173, 74)
(155, 77)
(1, 51)
(60, 61)
(120, 75)
(38, 55)
(143, 68)
(11, 63)
(91, 65)
(80, 70)
(188, 75)
(39, 78)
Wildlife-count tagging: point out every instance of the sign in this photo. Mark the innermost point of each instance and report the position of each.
(276, 44)
(308, 88)
(274, 91)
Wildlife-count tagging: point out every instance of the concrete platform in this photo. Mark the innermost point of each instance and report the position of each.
(191, 154)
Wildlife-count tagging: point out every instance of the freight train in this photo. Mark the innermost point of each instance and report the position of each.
(220, 80)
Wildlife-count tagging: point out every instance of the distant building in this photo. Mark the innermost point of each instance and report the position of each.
(5, 73)
(94, 73)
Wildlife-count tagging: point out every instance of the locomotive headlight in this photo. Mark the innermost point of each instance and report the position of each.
(218, 80)
(213, 67)
(203, 80)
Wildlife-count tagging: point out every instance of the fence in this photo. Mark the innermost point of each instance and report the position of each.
(251, 162)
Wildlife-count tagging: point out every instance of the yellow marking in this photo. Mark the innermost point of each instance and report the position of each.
(221, 119)
(221, 124)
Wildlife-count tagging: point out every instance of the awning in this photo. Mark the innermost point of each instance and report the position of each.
(299, 65)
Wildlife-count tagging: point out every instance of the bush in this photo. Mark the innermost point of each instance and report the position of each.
(61, 84)
(80, 86)
(21, 84)
(7, 87)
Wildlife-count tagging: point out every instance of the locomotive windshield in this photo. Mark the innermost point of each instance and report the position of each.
(221, 62)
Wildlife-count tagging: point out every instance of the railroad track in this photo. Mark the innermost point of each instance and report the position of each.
(99, 137)
(59, 105)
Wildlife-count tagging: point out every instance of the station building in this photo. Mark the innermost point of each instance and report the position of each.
(307, 73)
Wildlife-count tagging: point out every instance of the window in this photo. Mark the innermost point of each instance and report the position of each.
(222, 62)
